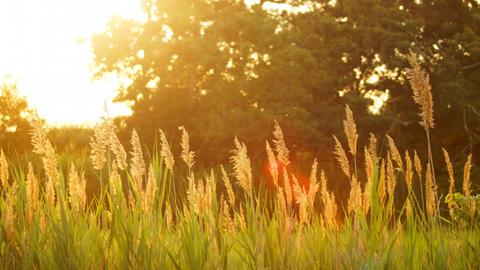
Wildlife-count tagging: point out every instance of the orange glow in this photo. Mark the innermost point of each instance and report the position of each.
(45, 47)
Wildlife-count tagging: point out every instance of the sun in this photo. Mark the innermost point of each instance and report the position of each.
(46, 48)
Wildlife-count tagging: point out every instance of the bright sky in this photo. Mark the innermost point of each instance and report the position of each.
(40, 49)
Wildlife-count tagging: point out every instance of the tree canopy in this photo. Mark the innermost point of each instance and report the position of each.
(15, 117)
(225, 69)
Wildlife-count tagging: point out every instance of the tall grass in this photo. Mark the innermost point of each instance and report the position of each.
(145, 216)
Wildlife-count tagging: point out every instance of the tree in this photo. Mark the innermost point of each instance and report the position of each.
(222, 68)
(15, 117)
(219, 68)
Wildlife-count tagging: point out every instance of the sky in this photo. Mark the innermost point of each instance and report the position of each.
(45, 48)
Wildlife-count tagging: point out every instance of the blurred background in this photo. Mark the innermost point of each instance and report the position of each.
(226, 68)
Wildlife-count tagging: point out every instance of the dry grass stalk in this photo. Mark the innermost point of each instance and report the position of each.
(391, 181)
(355, 199)
(466, 176)
(430, 193)
(418, 164)
(395, 153)
(50, 194)
(301, 199)
(283, 215)
(272, 164)
(187, 155)
(150, 191)
(350, 129)
(228, 187)
(422, 90)
(228, 224)
(50, 163)
(242, 167)
(10, 213)
(74, 189)
(408, 172)
(98, 147)
(166, 152)
(39, 136)
(329, 203)
(280, 146)
(117, 148)
(451, 178)
(242, 223)
(287, 187)
(313, 188)
(4, 175)
(32, 190)
(114, 180)
(341, 157)
(137, 164)
(192, 193)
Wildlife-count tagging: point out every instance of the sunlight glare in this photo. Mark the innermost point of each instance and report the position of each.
(46, 48)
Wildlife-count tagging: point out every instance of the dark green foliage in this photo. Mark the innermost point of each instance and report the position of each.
(224, 69)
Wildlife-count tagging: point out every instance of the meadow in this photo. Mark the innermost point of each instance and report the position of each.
(148, 215)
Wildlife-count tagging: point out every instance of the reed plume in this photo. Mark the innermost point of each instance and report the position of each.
(4, 174)
(166, 152)
(391, 181)
(408, 172)
(187, 155)
(350, 129)
(395, 153)
(39, 136)
(417, 163)
(149, 194)
(422, 90)
(228, 187)
(98, 145)
(137, 164)
(313, 188)
(10, 213)
(451, 178)
(32, 191)
(355, 199)
(341, 157)
(466, 176)
(329, 203)
(117, 148)
(242, 167)
(272, 162)
(280, 146)
(301, 199)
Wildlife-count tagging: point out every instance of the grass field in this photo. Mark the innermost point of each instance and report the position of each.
(145, 216)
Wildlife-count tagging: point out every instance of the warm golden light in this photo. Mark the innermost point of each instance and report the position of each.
(45, 47)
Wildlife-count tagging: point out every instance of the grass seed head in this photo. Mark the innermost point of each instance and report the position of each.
(166, 152)
(280, 146)
(4, 174)
(466, 176)
(137, 164)
(341, 157)
(422, 90)
(187, 155)
(350, 129)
